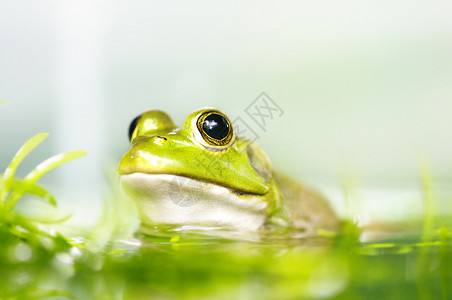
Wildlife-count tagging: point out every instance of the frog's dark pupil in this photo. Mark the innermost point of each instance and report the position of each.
(216, 126)
(133, 125)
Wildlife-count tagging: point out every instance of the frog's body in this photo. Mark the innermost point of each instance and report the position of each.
(202, 174)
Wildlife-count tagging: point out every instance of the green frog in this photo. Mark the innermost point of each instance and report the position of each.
(202, 174)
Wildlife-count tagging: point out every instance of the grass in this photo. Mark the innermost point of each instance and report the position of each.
(24, 238)
(37, 263)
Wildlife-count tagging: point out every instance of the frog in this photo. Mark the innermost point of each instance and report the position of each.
(203, 174)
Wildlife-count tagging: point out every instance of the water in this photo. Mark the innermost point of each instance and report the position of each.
(185, 263)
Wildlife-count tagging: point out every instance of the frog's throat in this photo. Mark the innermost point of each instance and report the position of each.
(179, 200)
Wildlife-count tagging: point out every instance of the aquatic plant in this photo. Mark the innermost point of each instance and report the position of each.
(12, 189)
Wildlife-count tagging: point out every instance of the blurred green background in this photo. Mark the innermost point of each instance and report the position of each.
(365, 87)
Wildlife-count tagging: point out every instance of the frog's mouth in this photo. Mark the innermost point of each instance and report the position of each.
(175, 199)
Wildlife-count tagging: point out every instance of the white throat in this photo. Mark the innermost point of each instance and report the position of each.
(179, 200)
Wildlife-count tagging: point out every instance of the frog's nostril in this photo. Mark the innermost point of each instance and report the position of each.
(158, 139)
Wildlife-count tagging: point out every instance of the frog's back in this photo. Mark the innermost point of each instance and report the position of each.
(306, 209)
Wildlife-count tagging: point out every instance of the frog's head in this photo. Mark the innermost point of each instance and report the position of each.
(199, 174)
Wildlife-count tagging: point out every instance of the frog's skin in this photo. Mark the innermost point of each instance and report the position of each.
(205, 176)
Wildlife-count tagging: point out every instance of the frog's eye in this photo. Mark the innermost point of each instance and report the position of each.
(215, 128)
(132, 127)
(151, 123)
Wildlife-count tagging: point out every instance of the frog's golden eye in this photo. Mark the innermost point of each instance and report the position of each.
(215, 128)
(133, 126)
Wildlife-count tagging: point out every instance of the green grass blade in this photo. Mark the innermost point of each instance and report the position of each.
(424, 260)
(20, 155)
(27, 225)
(428, 202)
(33, 189)
(23, 151)
(44, 167)
(51, 163)
(45, 220)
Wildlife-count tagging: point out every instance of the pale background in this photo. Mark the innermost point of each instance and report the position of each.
(365, 86)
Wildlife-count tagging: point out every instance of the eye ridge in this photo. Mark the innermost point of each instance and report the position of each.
(221, 138)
